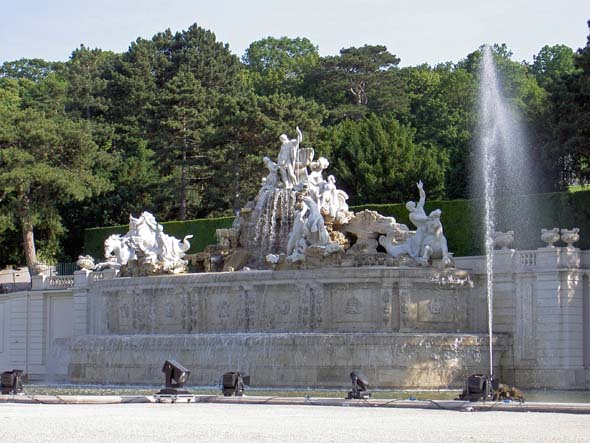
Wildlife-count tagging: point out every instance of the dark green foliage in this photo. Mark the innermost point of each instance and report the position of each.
(357, 82)
(202, 229)
(569, 119)
(31, 69)
(46, 159)
(552, 63)
(279, 65)
(177, 125)
(377, 160)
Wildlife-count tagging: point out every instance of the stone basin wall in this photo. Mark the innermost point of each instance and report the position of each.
(389, 360)
(403, 327)
(330, 300)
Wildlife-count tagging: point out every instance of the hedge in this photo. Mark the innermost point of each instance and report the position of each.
(460, 218)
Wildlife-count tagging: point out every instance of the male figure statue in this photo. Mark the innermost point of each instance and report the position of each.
(288, 158)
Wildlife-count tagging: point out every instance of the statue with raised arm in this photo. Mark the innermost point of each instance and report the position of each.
(429, 241)
(288, 157)
(412, 246)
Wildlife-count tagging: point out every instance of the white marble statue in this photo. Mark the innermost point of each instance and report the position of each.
(272, 180)
(287, 159)
(316, 232)
(428, 242)
(333, 200)
(434, 243)
(146, 244)
(308, 229)
(412, 246)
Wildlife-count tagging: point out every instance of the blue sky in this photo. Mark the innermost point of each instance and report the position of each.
(416, 31)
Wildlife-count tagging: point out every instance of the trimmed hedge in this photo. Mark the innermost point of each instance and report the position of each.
(203, 230)
(460, 218)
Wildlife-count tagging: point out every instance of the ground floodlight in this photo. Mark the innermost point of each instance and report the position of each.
(176, 376)
(360, 384)
(480, 387)
(11, 382)
(232, 384)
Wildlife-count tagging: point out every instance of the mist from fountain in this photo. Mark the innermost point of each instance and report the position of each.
(502, 167)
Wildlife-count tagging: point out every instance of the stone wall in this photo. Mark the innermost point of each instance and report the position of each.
(541, 298)
(404, 327)
(35, 333)
(371, 299)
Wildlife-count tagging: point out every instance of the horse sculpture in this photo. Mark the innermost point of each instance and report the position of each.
(118, 246)
(146, 249)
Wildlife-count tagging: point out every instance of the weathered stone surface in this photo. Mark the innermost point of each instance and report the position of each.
(327, 300)
(393, 360)
(236, 260)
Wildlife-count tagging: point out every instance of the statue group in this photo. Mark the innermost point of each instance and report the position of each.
(428, 242)
(319, 228)
(320, 206)
(145, 249)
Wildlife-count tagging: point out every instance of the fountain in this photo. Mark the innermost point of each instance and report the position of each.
(502, 168)
(313, 291)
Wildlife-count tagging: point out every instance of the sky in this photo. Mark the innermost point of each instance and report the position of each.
(417, 31)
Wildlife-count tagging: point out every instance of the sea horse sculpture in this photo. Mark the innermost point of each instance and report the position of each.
(145, 248)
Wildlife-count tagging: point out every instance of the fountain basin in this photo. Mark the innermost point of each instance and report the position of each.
(404, 327)
(390, 360)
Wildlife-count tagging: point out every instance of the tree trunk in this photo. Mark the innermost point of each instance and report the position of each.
(236, 199)
(28, 235)
(182, 209)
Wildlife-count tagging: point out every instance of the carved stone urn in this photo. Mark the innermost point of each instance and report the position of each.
(550, 236)
(41, 269)
(85, 262)
(503, 239)
(570, 236)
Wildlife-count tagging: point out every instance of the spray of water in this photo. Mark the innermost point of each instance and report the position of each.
(502, 169)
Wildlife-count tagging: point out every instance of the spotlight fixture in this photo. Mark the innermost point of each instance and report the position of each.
(176, 376)
(11, 382)
(359, 386)
(480, 387)
(232, 384)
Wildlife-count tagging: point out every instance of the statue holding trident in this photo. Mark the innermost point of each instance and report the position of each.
(288, 157)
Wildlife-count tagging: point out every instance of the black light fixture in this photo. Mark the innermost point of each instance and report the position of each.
(360, 384)
(176, 376)
(480, 387)
(232, 384)
(11, 382)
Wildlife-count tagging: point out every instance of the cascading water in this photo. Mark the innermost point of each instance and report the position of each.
(502, 167)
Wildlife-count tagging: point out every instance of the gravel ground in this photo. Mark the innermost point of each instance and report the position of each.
(272, 423)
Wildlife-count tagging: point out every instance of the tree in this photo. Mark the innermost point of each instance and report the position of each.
(442, 109)
(45, 158)
(377, 161)
(162, 94)
(186, 116)
(34, 69)
(86, 73)
(552, 63)
(570, 120)
(358, 81)
(279, 65)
